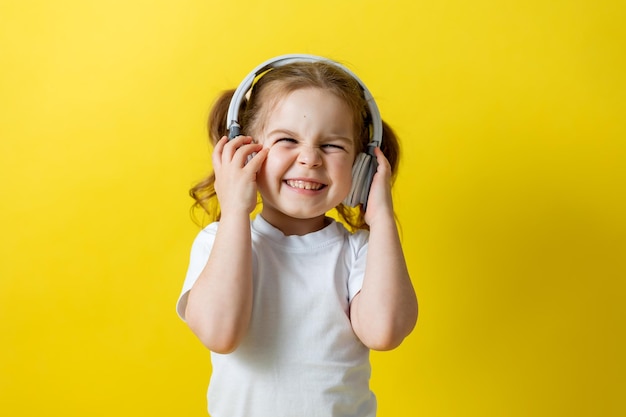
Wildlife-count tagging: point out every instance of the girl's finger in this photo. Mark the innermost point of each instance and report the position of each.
(255, 160)
(245, 152)
(382, 161)
(231, 146)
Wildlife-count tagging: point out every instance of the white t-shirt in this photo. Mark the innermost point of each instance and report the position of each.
(300, 357)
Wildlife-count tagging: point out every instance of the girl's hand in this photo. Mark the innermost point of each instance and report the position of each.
(235, 173)
(379, 201)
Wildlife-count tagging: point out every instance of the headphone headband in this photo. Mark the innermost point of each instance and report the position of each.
(233, 109)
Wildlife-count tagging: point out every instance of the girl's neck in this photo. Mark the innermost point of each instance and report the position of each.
(293, 226)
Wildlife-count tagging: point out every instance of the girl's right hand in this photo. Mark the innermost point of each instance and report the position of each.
(235, 173)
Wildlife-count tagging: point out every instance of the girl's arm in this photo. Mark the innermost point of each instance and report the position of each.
(384, 312)
(220, 302)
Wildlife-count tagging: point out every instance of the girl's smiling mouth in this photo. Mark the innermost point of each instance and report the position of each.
(305, 185)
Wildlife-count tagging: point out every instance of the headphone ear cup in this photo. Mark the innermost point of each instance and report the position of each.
(360, 171)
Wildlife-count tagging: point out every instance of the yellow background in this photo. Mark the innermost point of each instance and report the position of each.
(511, 195)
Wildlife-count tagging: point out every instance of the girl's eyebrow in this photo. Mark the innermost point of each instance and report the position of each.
(285, 132)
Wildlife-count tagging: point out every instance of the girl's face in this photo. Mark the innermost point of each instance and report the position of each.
(308, 170)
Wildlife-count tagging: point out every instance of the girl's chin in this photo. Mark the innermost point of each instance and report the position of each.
(299, 215)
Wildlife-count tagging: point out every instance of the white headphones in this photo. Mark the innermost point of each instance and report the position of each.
(364, 166)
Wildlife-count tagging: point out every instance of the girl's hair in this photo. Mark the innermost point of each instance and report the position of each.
(271, 87)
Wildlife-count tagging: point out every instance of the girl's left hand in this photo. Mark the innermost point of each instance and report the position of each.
(379, 201)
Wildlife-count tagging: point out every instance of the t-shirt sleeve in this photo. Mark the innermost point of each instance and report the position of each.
(200, 251)
(358, 243)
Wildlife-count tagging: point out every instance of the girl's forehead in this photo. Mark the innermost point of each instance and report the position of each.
(323, 106)
(270, 103)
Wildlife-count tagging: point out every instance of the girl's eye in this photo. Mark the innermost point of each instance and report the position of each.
(333, 147)
(286, 140)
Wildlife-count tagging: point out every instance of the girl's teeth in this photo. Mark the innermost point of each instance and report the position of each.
(303, 185)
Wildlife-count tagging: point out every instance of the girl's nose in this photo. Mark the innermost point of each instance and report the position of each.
(310, 157)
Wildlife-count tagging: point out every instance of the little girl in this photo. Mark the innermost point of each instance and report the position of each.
(290, 303)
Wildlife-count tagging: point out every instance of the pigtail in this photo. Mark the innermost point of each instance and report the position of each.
(216, 123)
(391, 148)
(203, 193)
